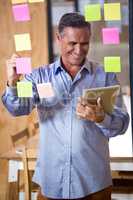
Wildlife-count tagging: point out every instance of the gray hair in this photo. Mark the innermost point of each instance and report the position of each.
(74, 20)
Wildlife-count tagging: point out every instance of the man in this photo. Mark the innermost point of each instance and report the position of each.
(73, 161)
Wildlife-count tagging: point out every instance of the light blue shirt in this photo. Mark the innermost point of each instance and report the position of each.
(73, 158)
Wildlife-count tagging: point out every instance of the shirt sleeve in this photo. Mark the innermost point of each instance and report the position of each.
(117, 122)
(114, 124)
(19, 106)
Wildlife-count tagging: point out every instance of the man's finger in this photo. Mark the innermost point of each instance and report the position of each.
(81, 115)
(99, 102)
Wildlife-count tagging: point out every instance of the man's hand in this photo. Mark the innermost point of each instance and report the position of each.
(92, 112)
(12, 75)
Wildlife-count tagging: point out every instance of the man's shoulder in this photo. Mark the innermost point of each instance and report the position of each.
(98, 67)
(95, 66)
(45, 68)
(43, 72)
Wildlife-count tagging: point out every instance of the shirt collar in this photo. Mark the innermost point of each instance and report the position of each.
(87, 65)
(58, 66)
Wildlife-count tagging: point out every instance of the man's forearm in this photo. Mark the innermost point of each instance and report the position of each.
(15, 105)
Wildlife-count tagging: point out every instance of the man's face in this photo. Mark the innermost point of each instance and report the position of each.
(74, 45)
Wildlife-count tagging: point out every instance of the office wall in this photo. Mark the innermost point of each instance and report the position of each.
(37, 28)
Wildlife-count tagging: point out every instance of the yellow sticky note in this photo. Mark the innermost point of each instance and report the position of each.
(22, 42)
(35, 1)
(19, 1)
(112, 11)
(24, 89)
(112, 64)
(92, 12)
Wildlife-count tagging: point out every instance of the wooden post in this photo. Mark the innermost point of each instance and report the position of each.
(3, 179)
(27, 189)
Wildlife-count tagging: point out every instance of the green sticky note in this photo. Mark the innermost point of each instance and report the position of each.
(92, 12)
(24, 89)
(112, 64)
(112, 11)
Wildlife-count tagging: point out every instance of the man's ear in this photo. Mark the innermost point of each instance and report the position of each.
(58, 36)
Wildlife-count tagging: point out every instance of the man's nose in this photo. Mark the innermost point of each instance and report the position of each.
(77, 49)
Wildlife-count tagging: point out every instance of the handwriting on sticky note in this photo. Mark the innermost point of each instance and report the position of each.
(92, 12)
(21, 12)
(112, 11)
(112, 64)
(110, 36)
(19, 1)
(23, 65)
(45, 90)
(22, 42)
(24, 89)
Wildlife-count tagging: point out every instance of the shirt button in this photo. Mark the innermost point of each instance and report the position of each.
(67, 163)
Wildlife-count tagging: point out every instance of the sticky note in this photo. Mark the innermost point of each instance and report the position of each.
(19, 1)
(112, 64)
(92, 12)
(112, 11)
(35, 1)
(23, 65)
(21, 12)
(45, 90)
(110, 36)
(22, 42)
(24, 89)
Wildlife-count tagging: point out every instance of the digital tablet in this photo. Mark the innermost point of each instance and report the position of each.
(107, 94)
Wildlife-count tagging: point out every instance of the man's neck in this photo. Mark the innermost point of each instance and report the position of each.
(71, 69)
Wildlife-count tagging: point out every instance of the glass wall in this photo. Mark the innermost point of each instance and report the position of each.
(58, 8)
(120, 146)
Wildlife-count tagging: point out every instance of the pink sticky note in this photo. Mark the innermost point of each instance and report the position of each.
(45, 90)
(21, 12)
(23, 65)
(110, 36)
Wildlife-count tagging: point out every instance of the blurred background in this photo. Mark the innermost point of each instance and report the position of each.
(23, 131)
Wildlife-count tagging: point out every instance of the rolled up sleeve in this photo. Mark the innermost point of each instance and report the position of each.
(114, 124)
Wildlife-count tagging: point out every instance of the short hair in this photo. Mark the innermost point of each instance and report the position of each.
(73, 19)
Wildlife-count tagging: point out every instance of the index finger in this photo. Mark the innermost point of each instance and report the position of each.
(82, 101)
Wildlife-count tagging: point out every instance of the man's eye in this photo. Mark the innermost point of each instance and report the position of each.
(73, 43)
(85, 44)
